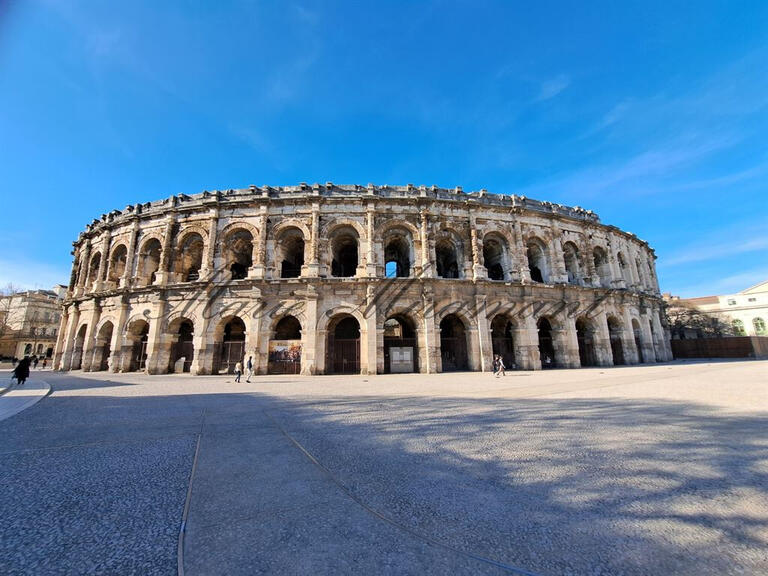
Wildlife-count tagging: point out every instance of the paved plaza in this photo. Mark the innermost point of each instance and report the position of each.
(656, 469)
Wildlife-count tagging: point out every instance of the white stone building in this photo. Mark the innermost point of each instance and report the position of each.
(29, 322)
(335, 279)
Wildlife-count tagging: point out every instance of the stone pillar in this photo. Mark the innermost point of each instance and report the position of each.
(92, 319)
(664, 348)
(164, 271)
(589, 261)
(118, 361)
(309, 334)
(427, 270)
(649, 354)
(522, 259)
(479, 272)
(208, 269)
(256, 341)
(155, 342)
(104, 263)
(617, 280)
(258, 270)
(485, 345)
(312, 268)
(602, 341)
(370, 231)
(84, 269)
(69, 342)
(130, 259)
(430, 343)
(631, 355)
(570, 345)
(556, 255)
(202, 362)
(61, 338)
(527, 353)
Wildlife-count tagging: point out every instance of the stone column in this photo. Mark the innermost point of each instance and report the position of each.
(104, 263)
(69, 342)
(602, 341)
(208, 269)
(527, 343)
(522, 259)
(428, 359)
(631, 355)
(309, 334)
(311, 269)
(370, 231)
(589, 260)
(202, 361)
(61, 338)
(257, 341)
(155, 342)
(258, 270)
(92, 319)
(649, 354)
(664, 347)
(556, 255)
(130, 258)
(84, 269)
(570, 343)
(427, 270)
(164, 271)
(613, 262)
(479, 272)
(485, 344)
(119, 362)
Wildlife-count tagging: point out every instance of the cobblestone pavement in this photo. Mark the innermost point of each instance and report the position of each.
(637, 470)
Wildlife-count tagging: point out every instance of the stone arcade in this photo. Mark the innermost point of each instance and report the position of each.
(327, 279)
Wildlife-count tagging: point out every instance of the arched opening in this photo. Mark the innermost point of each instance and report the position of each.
(453, 344)
(285, 347)
(601, 267)
(759, 325)
(290, 252)
(638, 340)
(614, 333)
(344, 253)
(231, 349)
(572, 264)
(93, 269)
(447, 259)
(585, 336)
(503, 341)
(183, 350)
(546, 344)
(138, 337)
(495, 257)
(400, 345)
(149, 262)
(28, 350)
(397, 255)
(77, 351)
(537, 262)
(239, 253)
(738, 328)
(343, 346)
(189, 258)
(117, 263)
(103, 347)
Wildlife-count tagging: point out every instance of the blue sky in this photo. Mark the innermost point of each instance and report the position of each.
(654, 115)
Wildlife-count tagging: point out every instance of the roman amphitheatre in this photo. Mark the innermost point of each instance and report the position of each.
(350, 279)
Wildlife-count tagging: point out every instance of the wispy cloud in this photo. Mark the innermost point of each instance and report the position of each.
(727, 284)
(552, 87)
(30, 275)
(740, 238)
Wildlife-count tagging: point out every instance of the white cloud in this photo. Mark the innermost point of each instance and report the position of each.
(726, 285)
(553, 87)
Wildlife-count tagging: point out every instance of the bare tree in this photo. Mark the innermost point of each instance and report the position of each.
(684, 318)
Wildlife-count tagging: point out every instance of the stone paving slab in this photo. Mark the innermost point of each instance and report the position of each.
(18, 398)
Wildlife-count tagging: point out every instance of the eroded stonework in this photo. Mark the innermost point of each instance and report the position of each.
(327, 279)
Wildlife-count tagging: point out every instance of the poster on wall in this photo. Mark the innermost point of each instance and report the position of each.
(284, 354)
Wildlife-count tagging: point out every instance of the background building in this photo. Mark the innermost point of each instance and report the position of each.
(29, 322)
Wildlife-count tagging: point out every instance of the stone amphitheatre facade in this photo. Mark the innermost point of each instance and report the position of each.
(322, 279)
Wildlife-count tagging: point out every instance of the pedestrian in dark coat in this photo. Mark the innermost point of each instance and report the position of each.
(22, 370)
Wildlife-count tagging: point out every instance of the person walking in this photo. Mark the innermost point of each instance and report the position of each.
(500, 368)
(495, 364)
(238, 371)
(35, 360)
(249, 369)
(21, 372)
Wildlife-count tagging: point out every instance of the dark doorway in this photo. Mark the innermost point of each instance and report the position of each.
(77, 354)
(453, 344)
(103, 347)
(396, 258)
(617, 349)
(638, 340)
(285, 347)
(447, 261)
(232, 347)
(586, 339)
(546, 344)
(343, 355)
(502, 340)
(139, 350)
(401, 353)
(292, 249)
(183, 347)
(345, 257)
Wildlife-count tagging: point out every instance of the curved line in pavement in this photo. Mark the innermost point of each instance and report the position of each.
(421, 536)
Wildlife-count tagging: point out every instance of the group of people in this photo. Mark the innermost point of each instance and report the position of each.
(248, 367)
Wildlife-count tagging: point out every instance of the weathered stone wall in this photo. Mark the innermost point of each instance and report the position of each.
(204, 260)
